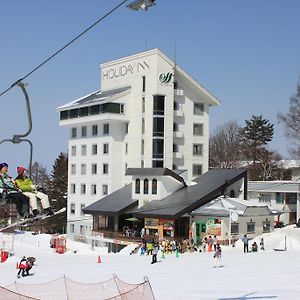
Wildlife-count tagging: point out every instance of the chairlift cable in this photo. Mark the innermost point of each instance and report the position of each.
(64, 47)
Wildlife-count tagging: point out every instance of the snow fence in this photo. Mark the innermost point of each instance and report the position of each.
(10, 295)
(65, 288)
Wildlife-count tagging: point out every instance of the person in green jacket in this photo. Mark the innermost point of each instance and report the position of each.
(25, 184)
(12, 194)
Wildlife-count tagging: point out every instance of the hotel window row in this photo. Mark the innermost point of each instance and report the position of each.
(145, 185)
(94, 149)
(266, 226)
(114, 108)
(94, 169)
(93, 189)
(83, 131)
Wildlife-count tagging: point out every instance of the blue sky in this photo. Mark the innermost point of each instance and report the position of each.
(245, 52)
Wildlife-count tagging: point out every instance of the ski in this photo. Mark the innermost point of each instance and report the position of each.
(32, 220)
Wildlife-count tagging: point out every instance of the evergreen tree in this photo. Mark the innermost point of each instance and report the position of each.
(257, 133)
(58, 187)
(59, 181)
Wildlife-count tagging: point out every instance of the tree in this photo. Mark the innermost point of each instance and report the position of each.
(59, 181)
(58, 187)
(256, 134)
(291, 122)
(39, 176)
(224, 146)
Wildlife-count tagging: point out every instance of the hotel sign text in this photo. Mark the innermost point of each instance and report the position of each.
(124, 70)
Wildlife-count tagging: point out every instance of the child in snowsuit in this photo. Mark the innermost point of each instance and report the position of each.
(22, 266)
(217, 256)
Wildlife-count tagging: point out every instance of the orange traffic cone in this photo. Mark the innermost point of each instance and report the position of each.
(99, 259)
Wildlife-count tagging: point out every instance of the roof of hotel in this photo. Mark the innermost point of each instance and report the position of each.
(155, 172)
(115, 203)
(206, 187)
(94, 98)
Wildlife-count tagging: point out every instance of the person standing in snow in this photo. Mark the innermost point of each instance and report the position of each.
(246, 242)
(22, 266)
(262, 244)
(217, 256)
(154, 253)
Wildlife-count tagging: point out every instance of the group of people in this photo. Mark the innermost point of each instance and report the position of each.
(254, 246)
(21, 191)
(25, 266)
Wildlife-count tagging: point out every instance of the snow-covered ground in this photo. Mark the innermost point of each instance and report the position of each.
(266, 274)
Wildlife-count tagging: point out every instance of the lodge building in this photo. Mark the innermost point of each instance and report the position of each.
(139, 146)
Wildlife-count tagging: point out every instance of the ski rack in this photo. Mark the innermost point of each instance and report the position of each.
(19, 138)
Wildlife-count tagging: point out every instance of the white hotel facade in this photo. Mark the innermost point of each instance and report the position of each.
(149, 114)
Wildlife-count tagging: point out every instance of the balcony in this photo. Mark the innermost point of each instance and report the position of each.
(178, 134)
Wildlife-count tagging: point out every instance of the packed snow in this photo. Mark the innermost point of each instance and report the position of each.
(264, 274)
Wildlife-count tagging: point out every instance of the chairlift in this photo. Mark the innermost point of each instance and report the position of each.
(19, 138)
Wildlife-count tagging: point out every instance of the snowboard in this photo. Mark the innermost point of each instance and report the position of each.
(31, 221)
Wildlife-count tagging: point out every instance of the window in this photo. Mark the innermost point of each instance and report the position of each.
(83, 131)
(176, 105)
(198, 149)
(143, 104)
(197, 170)
(73, 151)
(95, 109)
(73, 188)
(82, 189)
(266, 226)
(94, 149)
(157, 164)
(74, 132)
(83, 111)
(158, 126)
(198, 129)
(154, 186)
(158, 105)
(198, 108)
(104, 189)
(279, 197)
(146, 185)
(264, 197)
(73, 113)
(83, 169)
(72, 228)
(142, 164)
(250, 227)
(122, 108)
(73, 169)
(137, 186)
(83, 150)
(93, 189)
(175, 148)
(81, 229)
(235, 228)
(175, 127)
(158, 148)
(291, 198)
(144, 83)
(143, 147)
(126, 148)
(95, 130)
(105, 148)
(72, 208)
(105, 128)
(105, 168)
(94, 169)
(82, 206)
(143, 125)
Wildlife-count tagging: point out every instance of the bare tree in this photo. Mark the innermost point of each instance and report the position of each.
(291, 121)
(39, 175)
(224, 146)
